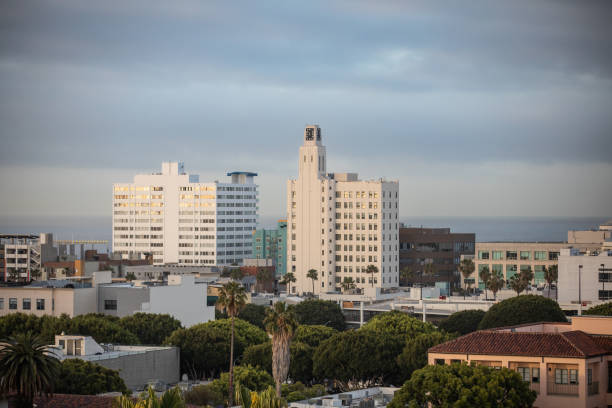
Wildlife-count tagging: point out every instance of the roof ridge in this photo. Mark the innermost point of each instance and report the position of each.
(563, 334)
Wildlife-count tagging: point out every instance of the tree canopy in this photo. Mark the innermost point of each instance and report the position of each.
(520, 310)
(320, 312)
(254, 314)
(149, 327)
(461, 385)
(414, 354)
(463, 322)
(313, 335)
(78, 376)
(605, 309)
(398, 323)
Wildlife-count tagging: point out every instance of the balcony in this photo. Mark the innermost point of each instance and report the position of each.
(562, 389)
(593, 388)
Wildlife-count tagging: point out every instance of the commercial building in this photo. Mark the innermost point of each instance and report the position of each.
(22, 255)
(436, 246)
(137, 365)
(178, 219)
(338, 224)
(603, 233)
(272, 244)
(162, 272)
(585, 278)
(566, 364)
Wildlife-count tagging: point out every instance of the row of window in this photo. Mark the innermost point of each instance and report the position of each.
(26, 304)
(522, 255)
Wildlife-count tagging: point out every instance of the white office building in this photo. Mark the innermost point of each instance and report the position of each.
(338, 224)
(585, 277)
(178, 219)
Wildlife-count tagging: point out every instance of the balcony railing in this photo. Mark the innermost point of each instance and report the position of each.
(593, 388)
(562, 389)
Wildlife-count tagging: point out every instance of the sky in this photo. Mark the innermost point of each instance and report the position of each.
(478, 108)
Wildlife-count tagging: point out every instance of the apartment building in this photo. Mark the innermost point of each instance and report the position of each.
(23, 255)
(272, 244)
(566, 364)
(585, 278)
(178, 219)
(338, 224)
(436, 246)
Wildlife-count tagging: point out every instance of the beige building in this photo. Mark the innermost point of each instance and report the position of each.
(338, 224)
(51, 301)
(566, 364)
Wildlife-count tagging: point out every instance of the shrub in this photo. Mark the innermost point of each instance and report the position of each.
(520, 310)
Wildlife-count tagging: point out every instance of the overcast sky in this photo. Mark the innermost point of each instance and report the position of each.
(476, 107)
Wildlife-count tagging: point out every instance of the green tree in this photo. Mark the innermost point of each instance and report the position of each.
(371, 270)
(461, 385)
(398, 323)
(150, 328)
(313, 275)
(605, 309)
(301, 362)
(313, 335)
(258, 356)
(320, 312)
(254, 314)
(414, 354)
(262, 399)
(526, 276)
(264, 275)
(130, 276)
(288, 279)
(78, 376)
(27, 368)
(236, 274)
(466, 266)
(496, 282)
(463, 322)
(280, 324)
(347, 283)
(103, 328)
(429, 269)
(485, 276)
(204, 395)
(406, 273)
(173, 398)
(517, 284)
(251, 377)
(232, 298)
(521, 310)
(551, 275)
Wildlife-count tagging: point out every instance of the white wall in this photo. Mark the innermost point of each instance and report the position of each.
(589, 282)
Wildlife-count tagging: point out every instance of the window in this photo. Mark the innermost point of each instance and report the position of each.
(589, 376)
(40, 304)
(439, 361)
(573, 376)
(511, 255)
(13, 303)
(525, 374)
(483, 254)
(553, 256)
(525, 255)
(605, 294)
(535, 375)
(561, 376)
(540, 255)
(27, 304)
(497, 255)
(1, 303)
(110, 304)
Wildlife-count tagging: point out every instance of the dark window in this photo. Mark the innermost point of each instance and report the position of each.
(40, 304)
(605, 294)
(27, 304)
(13, 303)
(110, 304)
(439, 361)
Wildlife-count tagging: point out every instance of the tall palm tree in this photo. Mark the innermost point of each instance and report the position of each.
(551, 274)
(27, 368)
(288, 279)
(347, 283)
(526, 276)
(280, 324)
(485, 276)
(232, 298)
(406, 273)
(496, 282)
(372, 269)
(466, 266)
(517, 284)
(312, 274)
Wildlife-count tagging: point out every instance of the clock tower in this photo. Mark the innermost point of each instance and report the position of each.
(312, 154)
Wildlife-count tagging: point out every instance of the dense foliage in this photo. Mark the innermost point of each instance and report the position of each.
(520, 310)
(460, 385)
(254, 314)
(397, 323)
(297, 391)
(78, 376)
(248, 376)
(150, 328)
(320, 312)
(605, 309)
(313, 335)
(204, 395)
(414, 354)
(260, 356)
(205, 347)
(463, 322)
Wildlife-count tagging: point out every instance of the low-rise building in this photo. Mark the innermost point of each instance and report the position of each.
(137, 365)
(585, 278)
(22, 255)
(378, 397)
(566, 364)
(161, 272)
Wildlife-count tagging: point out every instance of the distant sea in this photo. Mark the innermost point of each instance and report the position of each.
(486, 228)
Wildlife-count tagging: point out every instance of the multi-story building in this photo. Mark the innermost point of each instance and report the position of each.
(178, 219)
(585, 278)
(22, 255)
(509, 258)
(566, 364)
(338, 224)
(272, 244)
(436, 246)
(55, 298)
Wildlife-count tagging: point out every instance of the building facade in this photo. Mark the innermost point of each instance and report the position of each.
(585, 278)
(22, 256)
(566, 364)
(437, 246)
(70, 298)
(272, 244)
(178, 219)
(337, 224)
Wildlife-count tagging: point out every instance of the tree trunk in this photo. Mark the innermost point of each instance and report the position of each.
(313, 286)
(231, 370)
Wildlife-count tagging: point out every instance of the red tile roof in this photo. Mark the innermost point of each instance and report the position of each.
(74, 401)
(572, 344)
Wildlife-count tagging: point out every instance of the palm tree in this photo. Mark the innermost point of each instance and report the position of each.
(496, 282)
(347, 283)
(406, 273)
(232, 298)
(485, 276)
(429, 269)
(280, 324)
(288, 279)
(263, 276)
(27, 368)
(517, 284)
(372, 269)
(466, 266)
(172, 398)
(551, 274)
(526, 276)
(312, 274)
